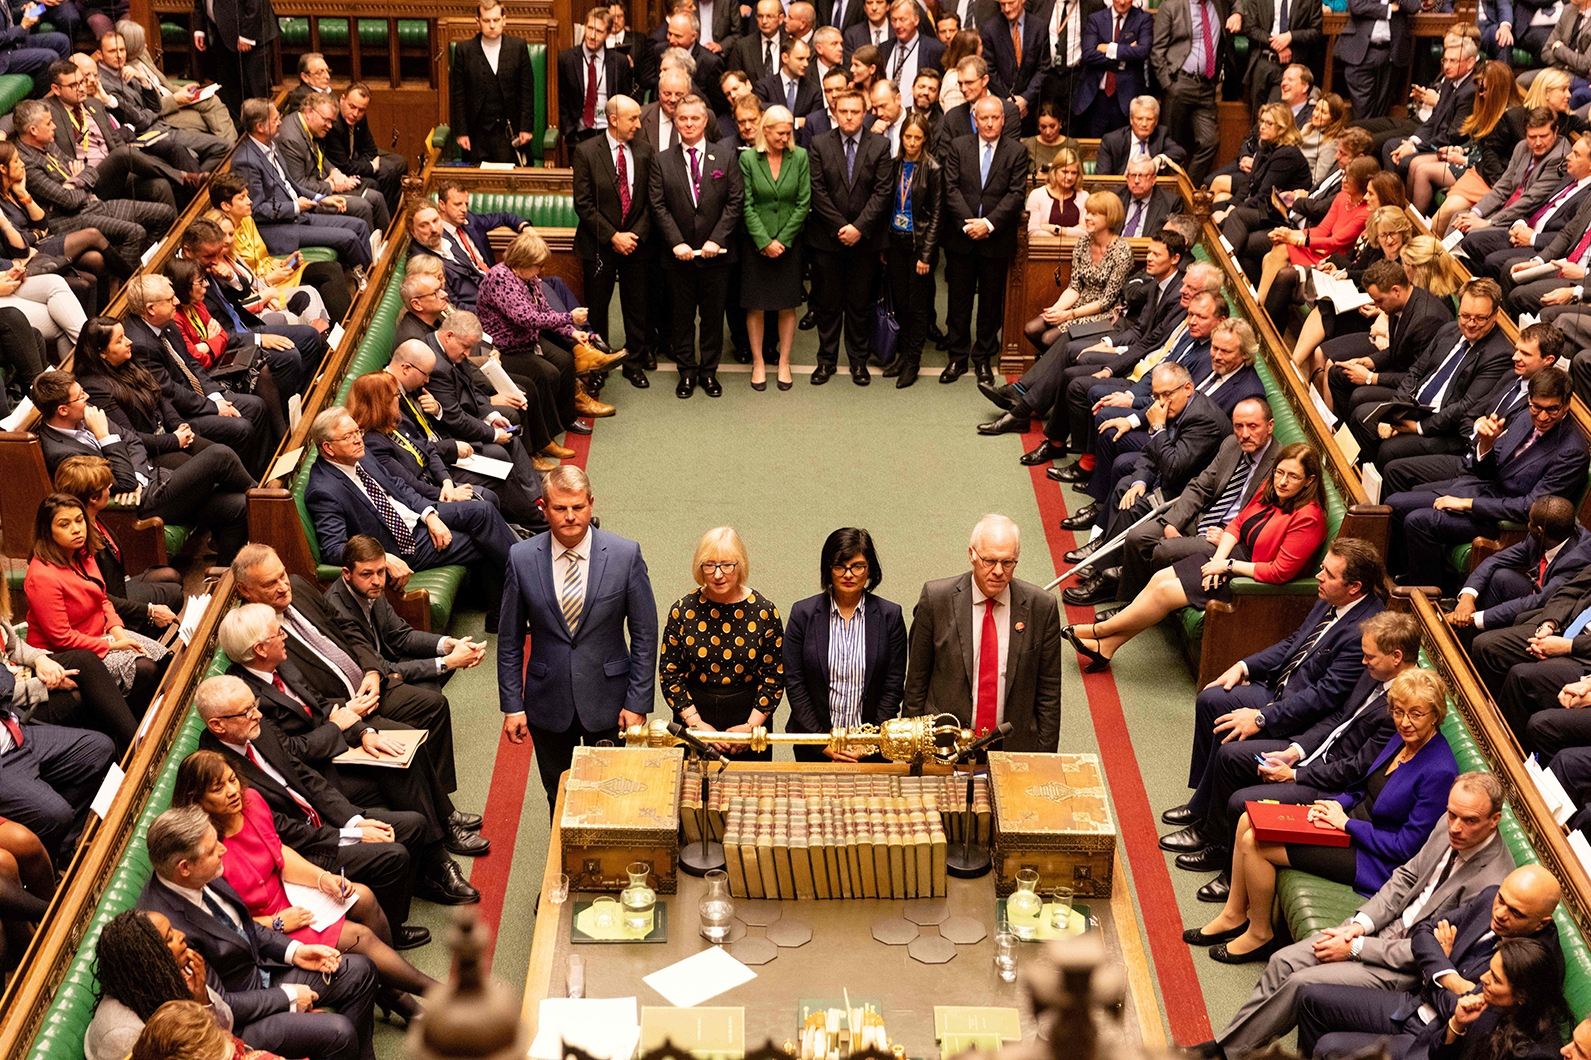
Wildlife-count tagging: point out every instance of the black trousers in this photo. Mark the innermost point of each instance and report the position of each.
(490, 142)
(554, 366)
(242, 75)
(97, 703)
(844, 298)
(697, 294)
(1519, 682)
(969, 276)
(422, 705)
(1147, 550)
(1231, 767)
(209, 488)
(127, 173)
(555, 750)
(1248, 229)
(47, 783)
(1334, 1021)
(627, 272)
(1190, 116)
(1370, 83)
(1412, 472)
(340, 1035)
(911, 294)
(1210, 705)
(1562, 736)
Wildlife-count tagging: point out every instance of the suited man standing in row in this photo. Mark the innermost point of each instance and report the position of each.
(696, 194)
(908, 50)
(1018, 53)
(1186, 55)
(757, 54)
(657, 117)
(1281, 33)
(792, 87)
(492, 98)
(611, 173)
(1116, 44)
(987, 647)
(972, 74)
(1376, 43)
(1066, 21)
(574, 592)
(233, 39)
(851, 184)
(589, 75)
(985, 185)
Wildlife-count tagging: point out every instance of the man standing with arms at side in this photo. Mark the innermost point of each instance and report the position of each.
(574, 591)
(234, 40)
(1186, 58)
(589, 75)
(490, 92)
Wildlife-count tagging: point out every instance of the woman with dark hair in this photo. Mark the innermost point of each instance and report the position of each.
(373, 403)
(141, 962)
(1270, 540)
(128, 393)
(68, 610)
(261, 869)
(865, 64)
(966, 42)
(81, 257)
(914, 233)
(845, 648)
(1343, 224)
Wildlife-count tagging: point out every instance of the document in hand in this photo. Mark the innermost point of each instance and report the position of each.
(1342, 292)
(411, 739)
(1528, 273)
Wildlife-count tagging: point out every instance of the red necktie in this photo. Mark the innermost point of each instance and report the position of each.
(14, 729)
(1110, 75)
(1580, 247)
(984, 719)
(1205, 13)
(276, 682)
(309, 811)
(1541, 572)
(589, 117)
(1524, 180)
(624, 185)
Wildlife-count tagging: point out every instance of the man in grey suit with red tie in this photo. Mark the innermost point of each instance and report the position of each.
(574, 592)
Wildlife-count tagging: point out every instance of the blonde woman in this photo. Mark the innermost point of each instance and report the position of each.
(1100, 264)
(1056, 207)
(1278, 163)
(721, 662)
(778, 195)
(1432, 267)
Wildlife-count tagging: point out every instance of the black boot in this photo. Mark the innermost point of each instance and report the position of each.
(908, 373)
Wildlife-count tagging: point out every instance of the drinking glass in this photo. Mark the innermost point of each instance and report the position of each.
(1005, 944)
(558, 891)
(1061, 908)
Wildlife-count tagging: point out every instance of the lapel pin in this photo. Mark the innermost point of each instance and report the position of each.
(1020, 626)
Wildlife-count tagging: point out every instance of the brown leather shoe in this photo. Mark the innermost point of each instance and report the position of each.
(589, 359)
(586, 405)
(542, 463)
(555, 450)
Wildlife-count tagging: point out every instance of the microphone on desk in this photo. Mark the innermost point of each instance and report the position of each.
(994, 735)
(684, 736)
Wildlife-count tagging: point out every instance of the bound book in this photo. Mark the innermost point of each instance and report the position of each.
(409, 739)
(1276, 822)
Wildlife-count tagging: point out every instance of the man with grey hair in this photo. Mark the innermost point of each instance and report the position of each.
(657, 117)
(1145, 206)
(683, 35)
(828, 51)
(908, 49)
(314, 76)
(986, 647)
(1143, 136)
(279, 989)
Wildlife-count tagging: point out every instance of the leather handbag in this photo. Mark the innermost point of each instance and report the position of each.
(886, 330)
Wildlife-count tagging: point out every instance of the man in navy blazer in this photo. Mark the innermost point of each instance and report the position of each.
(572, 593)
(428, 235)
(1509, 465)
(1144, 135)
(1336, 1021)
(350, 493)
(1019, 78)
(1523, 575)
(460, 223)
(1296, 681)
(1115, 45)
(270, 981)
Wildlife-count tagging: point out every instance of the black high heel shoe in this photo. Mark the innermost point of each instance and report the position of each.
(1096, 661)
(784, 385)
(396, 1003)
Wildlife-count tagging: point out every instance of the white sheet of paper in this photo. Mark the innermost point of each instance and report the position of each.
(153, 249)
(606, 1028)
(295, 409)
(326, 909)
(334, 337)
(1371, 477)
(207, 91)
(700, 977)
(21, 412)
(107, 790)
(486, 465)
(191, 613)
(497, 167)
(1546, 16)
(1452, 240)
(286, 462)
(1552, 792)
(493, 370)
(1581, 847)
(149, 718)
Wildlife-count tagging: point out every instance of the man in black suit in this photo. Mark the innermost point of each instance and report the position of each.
(973, 76)
(352, 149)
(271, 982)
(1513, 234)
(1017, 44)
(985, 184)
(1145, 205)
(234, 42)
(908, 49)
(1416, 314)
(490, 90)
(757, 54)
(1190, 45)
(428, 236)
(1143, 136)
(872, 28)
(1280, 33)
(684, 33)
(1065, 25)
(206, 488)
(1454, 99)
(696, 196)
(611, 176)
(1376, 42)
(851, 171)
(791, 87)
(589, 75)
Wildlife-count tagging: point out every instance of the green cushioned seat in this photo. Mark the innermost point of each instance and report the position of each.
(414, 32)
(172, 31)
(318, 253)
(14, 88)
(295, 31)
(1311, 903)
(544, 138)
(543, 211)
(334, 32)
(1089, 167)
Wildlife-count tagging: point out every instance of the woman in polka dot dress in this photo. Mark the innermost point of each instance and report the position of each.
(722, 658)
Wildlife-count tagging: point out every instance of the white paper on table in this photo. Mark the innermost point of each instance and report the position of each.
(107, 790)
(1370, 475)
(485, 465)
(1581, 847)
(191, 614)
(18, 414)
(1452, 240)
(605, 1028)
(327, 910)
(497, 167)
(492, 369)
(700, 977)
(149, 719)
(1551, 789)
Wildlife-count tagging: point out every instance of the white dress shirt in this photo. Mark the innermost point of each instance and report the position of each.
(196, 899)
(586, 59)
(347, 835)
(907, 53)
(1002, 627)
(492, 49)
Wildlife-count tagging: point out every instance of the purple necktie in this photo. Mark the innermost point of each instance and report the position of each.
(1205, 12)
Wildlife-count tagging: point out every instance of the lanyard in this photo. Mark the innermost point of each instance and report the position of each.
(408, 446)
(81, 127)
(320, 159)
(419, 415)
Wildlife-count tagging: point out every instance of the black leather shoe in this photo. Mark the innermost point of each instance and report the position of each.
(1196, 937)
(686, 386)
(1224, 956)
(1042, 453)
(1082, 519)
(636, 376)
(984, 373)
(1184, 841)
(1210, 1050)
(1211, 859)
(1006, 424)
(1179, 816)
(1217, 890)
(445, 884)
(908, 375)
(649, 360)
(1073, 473)
(467, 844)
(1082, 552)
(953, 371)
(935, 333)
(410, 936)
(710, 385)
(579, 427)
(1004, 396)
(460, 819)
(892, 369)
(1096, 590)
(742, 356)
(860, 375)
(822, 374)
(808, 322)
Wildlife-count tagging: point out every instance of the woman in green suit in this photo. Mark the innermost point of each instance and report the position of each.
(778, 194)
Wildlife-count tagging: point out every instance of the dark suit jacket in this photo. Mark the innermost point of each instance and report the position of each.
(747, 55)
(652, 126)
(1174, 455)
(338, 509)
(1006, 78)
(309, 602)
(808, 98)
(1507, 481)
(1162, 204)
(1353, 44)
(929, 53)
(127, 457)
(864, 201)
(1525, 557)
(158, 357)
(1473, 947)
(861, 33)
(305, 729)
(1131, 62)
(462, 281)
(1453, 104)
(468, 75)
(275, 203)
(1369, 723)
(115, 133)
(613, 68)
(1328, 671)
(406, 650)
(1423, 317)
(1243, 384)
(156, 431)
(464, 395)
(1303, 22)
(306, 167)
(1482, 367)
(1115, 148)
(425, 476)
(806, 662)
(1207, 485)
(999, 200)
(254, 20)
(596, 194)
(1160, 315)
(716, 216)
(352, 148)
(939, 674)
(957, 122)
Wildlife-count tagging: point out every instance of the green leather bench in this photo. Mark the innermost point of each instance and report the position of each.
(412, 32)
(544, 137)
(14, 88)
(66, 1020)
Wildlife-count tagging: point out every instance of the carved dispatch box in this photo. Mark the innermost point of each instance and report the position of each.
(621, 804)
(1052, 813)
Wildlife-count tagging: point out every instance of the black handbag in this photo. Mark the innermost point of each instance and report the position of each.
(886, 330)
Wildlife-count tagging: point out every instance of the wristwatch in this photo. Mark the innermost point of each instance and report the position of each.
(278, 924)
(1259, 720)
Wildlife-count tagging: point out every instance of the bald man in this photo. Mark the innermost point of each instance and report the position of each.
(1010, 633)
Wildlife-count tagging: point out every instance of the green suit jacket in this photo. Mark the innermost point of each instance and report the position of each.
(776, 209)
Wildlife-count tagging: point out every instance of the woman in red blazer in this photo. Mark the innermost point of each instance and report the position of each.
(68, 608)
(1272, 540)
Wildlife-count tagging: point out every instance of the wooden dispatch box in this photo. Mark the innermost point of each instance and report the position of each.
(621, 804)
(1051, 813)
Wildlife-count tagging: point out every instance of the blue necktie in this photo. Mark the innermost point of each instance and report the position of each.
(789, 95)
(1578, 625)
(983, 166)
(850, 158)
(1434, 385)
(237, 322)
(214, 905)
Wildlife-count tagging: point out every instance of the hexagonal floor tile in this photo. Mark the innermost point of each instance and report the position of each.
(893, 931)
(964, 930)
(931, 949)
(789, 934)
(737, 931)
(757, 912)
(752, 950)
(926, 910)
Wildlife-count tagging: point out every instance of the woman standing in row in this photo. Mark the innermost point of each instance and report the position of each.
(914, 219)
(778, 195)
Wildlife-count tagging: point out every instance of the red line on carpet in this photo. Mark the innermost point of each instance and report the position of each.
(505, 799)
(1179, 982)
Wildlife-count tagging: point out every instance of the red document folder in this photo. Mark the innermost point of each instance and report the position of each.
(1284, 823)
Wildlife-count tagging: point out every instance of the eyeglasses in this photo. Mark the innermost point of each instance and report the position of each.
(996, 564)
(855, 570)
(253, 711)
(726, 568)
(1545, 410)
(1474, 318)
(1166, 395)
(346, 436)
(1409, 715)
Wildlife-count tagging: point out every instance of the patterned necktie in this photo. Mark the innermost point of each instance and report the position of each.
(696, 174)
(1220, 513)
(1133, 219)
(382, 501)
(589, 117)
(767, 56)
(321, 645)
(988, 672)
(193, 380)
(1205, 13)
(303, 803)
(789, 95)
(623, 170)
(1305, 648)
(212, 903)
(572, 597)
(1016, 42)
(1110, 75)
(1434, 385)
(850, 158)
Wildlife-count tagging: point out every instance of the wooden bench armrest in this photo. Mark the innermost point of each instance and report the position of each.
(1249, 622)
(143, 541)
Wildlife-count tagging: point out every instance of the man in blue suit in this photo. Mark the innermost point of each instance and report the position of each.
(1509, 465)
(428, 235)
(1293, 683)
(1335, 1021)
(1115, 50)
(1017, 73)
(1523, 575)
(350, 493)
(573, 592)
